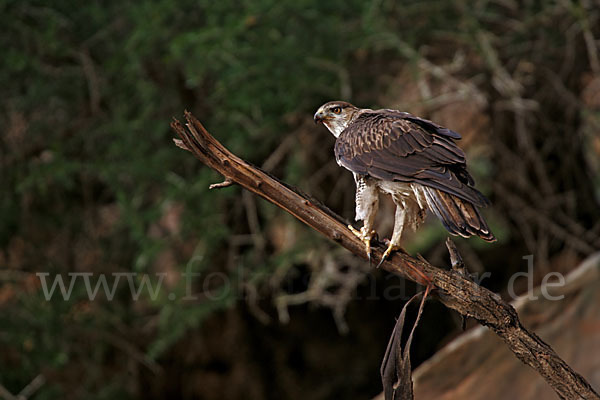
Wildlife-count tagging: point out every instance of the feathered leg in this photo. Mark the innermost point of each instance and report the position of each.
(399, 220)
(367, 203)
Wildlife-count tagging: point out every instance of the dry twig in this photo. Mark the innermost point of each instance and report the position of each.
(452, 288)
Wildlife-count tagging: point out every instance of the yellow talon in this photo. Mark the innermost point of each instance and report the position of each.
(354, 230)
(391, 247)
(365, 236)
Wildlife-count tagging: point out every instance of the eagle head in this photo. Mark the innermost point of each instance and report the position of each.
(336, 116)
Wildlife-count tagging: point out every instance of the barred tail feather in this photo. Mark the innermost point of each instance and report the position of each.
(459, 216)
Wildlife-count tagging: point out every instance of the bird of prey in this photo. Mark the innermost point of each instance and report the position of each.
(412, 159)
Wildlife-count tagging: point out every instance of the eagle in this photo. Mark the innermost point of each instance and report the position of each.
(414, 160)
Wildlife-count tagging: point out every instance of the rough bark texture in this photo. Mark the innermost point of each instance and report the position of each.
(453, 288)
(475, 364)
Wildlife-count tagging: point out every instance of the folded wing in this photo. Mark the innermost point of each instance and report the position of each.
(395, 146)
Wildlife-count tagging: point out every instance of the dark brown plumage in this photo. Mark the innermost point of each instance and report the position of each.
(396, 146)
(414, 160)
(399, 147)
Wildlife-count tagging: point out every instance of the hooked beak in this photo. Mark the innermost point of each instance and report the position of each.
(319, 117)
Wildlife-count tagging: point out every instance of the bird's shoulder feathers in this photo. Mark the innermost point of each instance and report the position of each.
(397, 146)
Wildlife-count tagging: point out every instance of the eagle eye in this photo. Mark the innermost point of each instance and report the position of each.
(336, 110)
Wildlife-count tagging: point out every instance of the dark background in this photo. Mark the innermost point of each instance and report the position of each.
(92, 183)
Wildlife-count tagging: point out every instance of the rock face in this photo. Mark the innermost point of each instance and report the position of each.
(477, 365)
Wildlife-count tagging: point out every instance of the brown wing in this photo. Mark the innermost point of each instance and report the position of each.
(395, 146)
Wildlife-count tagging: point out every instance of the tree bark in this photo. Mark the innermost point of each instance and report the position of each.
(452, 288)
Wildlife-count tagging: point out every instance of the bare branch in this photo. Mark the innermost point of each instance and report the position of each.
(32, 387)
(27, 391)
(452, 288)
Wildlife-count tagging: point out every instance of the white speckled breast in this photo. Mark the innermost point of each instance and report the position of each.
(405, 192)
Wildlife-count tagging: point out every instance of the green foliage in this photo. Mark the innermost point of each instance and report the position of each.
(92, 183)
(88, 92)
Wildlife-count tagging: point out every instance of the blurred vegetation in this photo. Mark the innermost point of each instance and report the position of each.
(92, 183)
